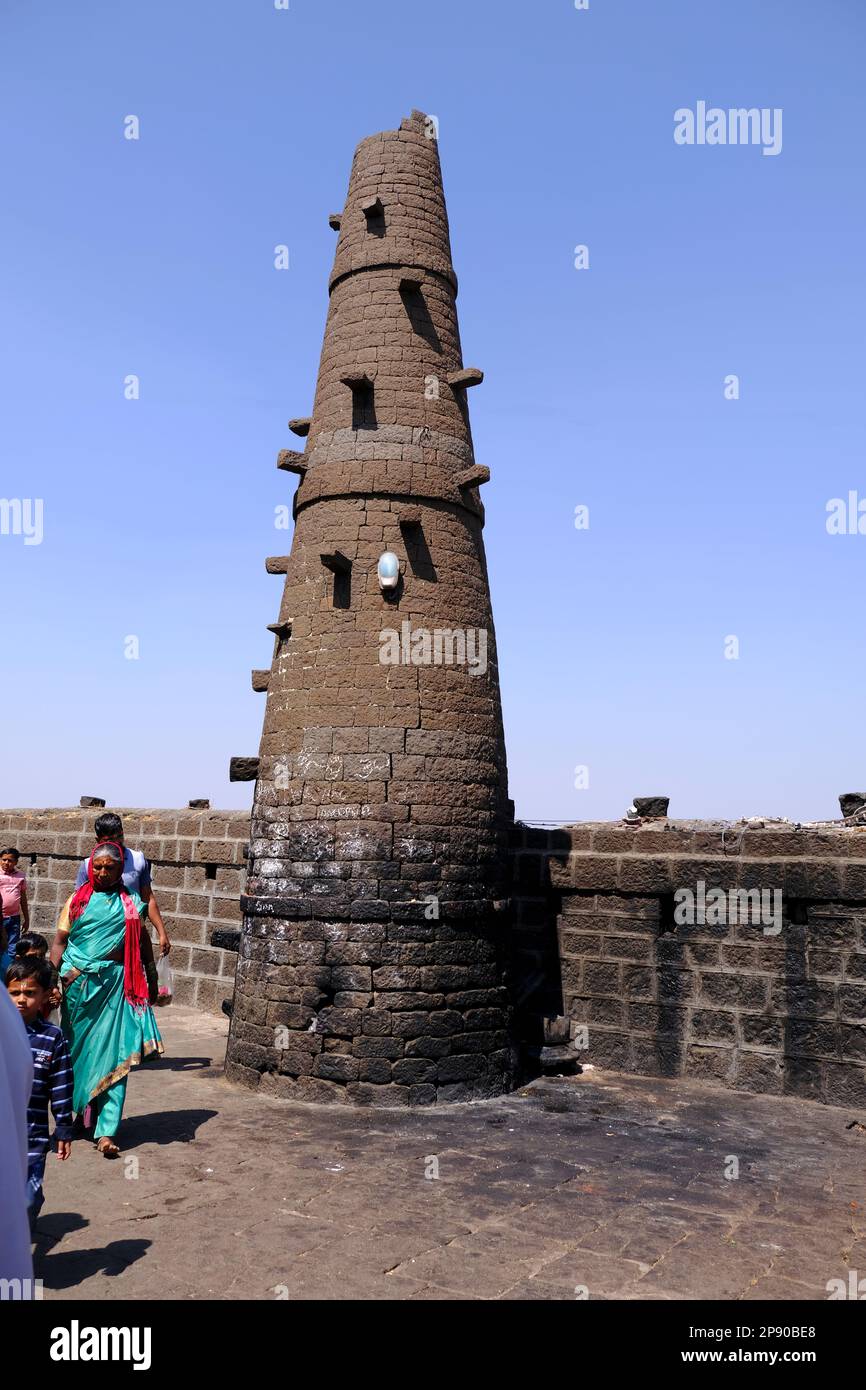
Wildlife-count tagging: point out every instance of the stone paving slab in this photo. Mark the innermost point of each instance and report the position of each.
(602, 1186)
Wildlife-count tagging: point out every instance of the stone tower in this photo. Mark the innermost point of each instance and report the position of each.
(371, 966)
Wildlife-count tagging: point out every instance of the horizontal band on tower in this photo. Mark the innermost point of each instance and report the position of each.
(411, 462)
(460, 499)
(475, 913)
(442, 271)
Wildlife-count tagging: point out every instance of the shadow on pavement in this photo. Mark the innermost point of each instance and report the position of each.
(70, 1267)
(54, 1225)
(163, 1127)
(181, 1064)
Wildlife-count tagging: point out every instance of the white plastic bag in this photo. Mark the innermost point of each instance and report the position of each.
(165, 979)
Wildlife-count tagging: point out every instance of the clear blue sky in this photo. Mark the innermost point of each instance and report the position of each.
(602, 387)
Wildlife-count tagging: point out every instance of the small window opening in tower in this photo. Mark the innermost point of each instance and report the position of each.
(363, 406)
(667, 923)
(374, 214)
(341, 569)
(210, 871)
(343, 589)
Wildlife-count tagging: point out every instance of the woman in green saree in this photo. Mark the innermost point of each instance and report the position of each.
(106, 1013)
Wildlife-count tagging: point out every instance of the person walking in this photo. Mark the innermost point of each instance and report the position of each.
(105, 959)
(136, 873)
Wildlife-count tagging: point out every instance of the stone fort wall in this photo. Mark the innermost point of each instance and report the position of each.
(594, 940)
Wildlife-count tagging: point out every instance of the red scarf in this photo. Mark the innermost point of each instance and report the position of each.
(134, 979)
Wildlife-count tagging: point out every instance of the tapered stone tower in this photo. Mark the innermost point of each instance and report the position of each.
(371, 966)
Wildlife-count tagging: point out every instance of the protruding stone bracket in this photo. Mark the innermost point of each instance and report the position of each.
(300, 425)
(410, 284)
(335, 220)
(277, 564)
(282, 629)
(473, 477)
(291, 461)
(409, 517)
(372, 207)
(261, 680)
(243, 769)
(468, 376)
(359, 380)
(336, 562)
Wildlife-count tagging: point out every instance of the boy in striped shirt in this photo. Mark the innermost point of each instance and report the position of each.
(29, 983)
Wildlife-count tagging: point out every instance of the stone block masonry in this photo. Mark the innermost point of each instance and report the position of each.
(776, 1005)
(198, 861)
(594, 938)
(374, 927)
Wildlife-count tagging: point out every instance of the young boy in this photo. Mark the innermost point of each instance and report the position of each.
(29, 982)
(32, 945)
(13, 891)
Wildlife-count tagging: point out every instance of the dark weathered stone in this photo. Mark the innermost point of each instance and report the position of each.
(226, 940)
(648, 807)
(852, 802)
(243, 769)
(91, 801)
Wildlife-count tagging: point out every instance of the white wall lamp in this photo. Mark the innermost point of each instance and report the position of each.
(388, 570)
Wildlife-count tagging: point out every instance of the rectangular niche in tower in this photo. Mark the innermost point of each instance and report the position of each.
(341, 569)
(363, 402)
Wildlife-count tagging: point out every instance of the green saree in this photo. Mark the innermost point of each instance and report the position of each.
(106, 1035)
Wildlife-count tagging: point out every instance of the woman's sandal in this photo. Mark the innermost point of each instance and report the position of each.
(107, 1147)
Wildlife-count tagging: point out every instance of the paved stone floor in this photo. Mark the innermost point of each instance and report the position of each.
(609, 1184)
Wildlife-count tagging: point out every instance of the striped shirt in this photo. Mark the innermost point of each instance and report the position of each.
(52, 1080)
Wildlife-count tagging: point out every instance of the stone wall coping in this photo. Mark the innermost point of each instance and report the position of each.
(775, 840)
(165, 835)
